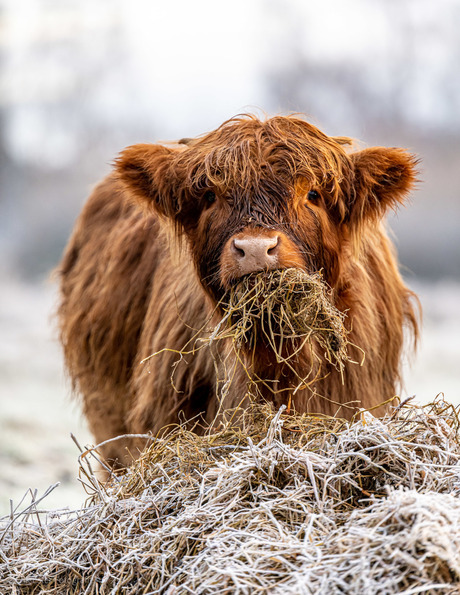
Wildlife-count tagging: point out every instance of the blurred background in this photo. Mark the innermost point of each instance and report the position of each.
(81, 79)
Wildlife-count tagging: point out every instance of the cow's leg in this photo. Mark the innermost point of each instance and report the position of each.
(104, 410)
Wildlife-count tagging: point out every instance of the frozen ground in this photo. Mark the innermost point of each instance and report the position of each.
(37, 415)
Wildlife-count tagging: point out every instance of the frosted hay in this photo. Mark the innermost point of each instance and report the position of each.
(282, 504)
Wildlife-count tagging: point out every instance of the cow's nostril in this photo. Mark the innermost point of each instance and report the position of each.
(272, 248)
(237, 246)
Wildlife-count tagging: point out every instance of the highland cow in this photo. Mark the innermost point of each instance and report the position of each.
(163, 238)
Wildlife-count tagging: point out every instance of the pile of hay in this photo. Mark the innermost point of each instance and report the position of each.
(282, 504)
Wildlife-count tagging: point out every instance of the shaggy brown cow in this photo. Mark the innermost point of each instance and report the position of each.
(249, 196)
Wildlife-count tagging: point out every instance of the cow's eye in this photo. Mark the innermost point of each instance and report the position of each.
(209, 196)
(313, 196)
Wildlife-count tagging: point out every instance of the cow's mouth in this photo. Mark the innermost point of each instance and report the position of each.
(284, 309)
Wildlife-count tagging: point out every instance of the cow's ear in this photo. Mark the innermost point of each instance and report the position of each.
(146, 172)
(383, 179)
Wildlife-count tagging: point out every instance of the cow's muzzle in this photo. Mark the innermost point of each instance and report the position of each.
(257, 249)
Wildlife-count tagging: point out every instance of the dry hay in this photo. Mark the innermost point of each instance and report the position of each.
(288, 308)
(281, 504)
(287, 311)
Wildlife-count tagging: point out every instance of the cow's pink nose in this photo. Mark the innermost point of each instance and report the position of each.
(255, 253)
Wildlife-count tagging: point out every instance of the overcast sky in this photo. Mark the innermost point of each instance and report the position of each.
(179, 68)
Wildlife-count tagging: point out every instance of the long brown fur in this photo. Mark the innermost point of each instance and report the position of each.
(125, 296)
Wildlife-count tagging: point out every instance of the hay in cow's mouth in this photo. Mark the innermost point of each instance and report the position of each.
(286, 309)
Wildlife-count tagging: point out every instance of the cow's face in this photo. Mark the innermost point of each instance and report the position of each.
(256, 195)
